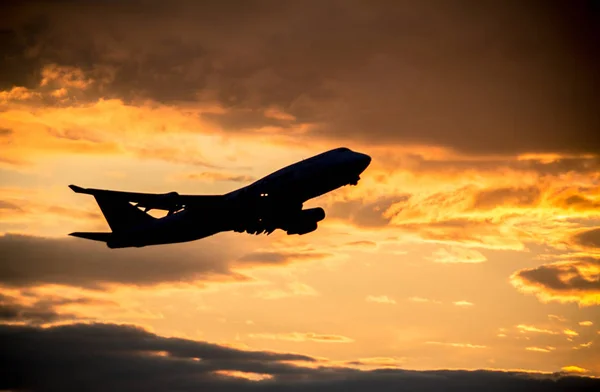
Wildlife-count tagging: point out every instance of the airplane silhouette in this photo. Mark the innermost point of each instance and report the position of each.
(273, 202)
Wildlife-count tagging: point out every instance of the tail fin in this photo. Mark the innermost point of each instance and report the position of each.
(120, 214)
(104, 237)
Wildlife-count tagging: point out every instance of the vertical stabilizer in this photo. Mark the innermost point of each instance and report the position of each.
(120, 214)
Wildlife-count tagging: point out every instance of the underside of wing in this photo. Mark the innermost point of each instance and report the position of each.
(171, 201)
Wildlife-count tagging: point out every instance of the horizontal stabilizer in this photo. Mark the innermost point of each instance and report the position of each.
(93, 236)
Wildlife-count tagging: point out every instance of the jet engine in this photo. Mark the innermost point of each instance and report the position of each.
(306, 222)
(166, 201)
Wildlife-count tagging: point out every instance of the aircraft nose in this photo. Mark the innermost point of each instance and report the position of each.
(363, 161)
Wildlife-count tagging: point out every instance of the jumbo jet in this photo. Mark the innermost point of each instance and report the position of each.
(271, 203)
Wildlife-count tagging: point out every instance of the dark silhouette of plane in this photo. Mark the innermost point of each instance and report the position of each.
(273, 202)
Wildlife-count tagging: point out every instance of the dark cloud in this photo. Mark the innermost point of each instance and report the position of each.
(5, 132)
(11, 310)
(28, 260)
(281, 257)
(362, 244)
(521, 197)
(42, 310)
(492, 77)
(418, 164)
(6, 205)
(217, 176)
(239, 120)
(100, 357)
(579, 202)
(565, 281)
(588, 238)
(562, 276)
(365, 215)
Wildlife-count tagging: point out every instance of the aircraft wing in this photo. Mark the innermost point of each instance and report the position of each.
(171, 201)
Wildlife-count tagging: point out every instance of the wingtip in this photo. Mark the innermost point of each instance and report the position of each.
(76, 189)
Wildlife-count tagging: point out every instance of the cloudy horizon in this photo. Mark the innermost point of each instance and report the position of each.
(471, 242)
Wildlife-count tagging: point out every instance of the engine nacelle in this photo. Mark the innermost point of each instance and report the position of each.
(303, 227)
(166, 201)
(312, 214)
(306, 221)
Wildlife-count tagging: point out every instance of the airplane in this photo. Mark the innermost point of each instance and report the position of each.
(271, 203)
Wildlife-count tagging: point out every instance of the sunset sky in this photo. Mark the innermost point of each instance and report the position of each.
(472, 240)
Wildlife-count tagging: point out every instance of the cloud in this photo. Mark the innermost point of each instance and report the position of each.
(277, 257)
(557, 318)
(541, 349)
(583, 345)
(423, 300)
(586, 323)
(588, 238)
(30, 261)
(240, 120)
(217, 176)
(457, 255)
(367, 72)
(564, 281)
(377, 362)
(463, 303)
(370, 214)
(362, 244)
(574, 369)
(570, 332)
(303, 337)
(382, 299)
(531, 328)
(41, 312)
(493, 198)
(122, 357)
(457, 345)
(293, 289)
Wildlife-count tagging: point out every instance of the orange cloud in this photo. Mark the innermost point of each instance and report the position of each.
(574, 369)
(382, 299)
(541, 349)
(423, 300)
(294, 289)
(217, 176)
(303, 337)
(65, 76)
(565, 281)
(457, 255)
(244, 375)
(458, 345)
(570, 332)
(463, 303)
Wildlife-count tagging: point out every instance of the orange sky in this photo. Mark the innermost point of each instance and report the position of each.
(471, 242)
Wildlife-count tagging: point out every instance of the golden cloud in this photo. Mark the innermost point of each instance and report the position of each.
(565, 281)
(531, 328)
(574, 369)
(457, 254)
(458, 345)
(541, 349)
(423, 300)
(463, 303)
(382, 299)
(293, 289)
(303, 337)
